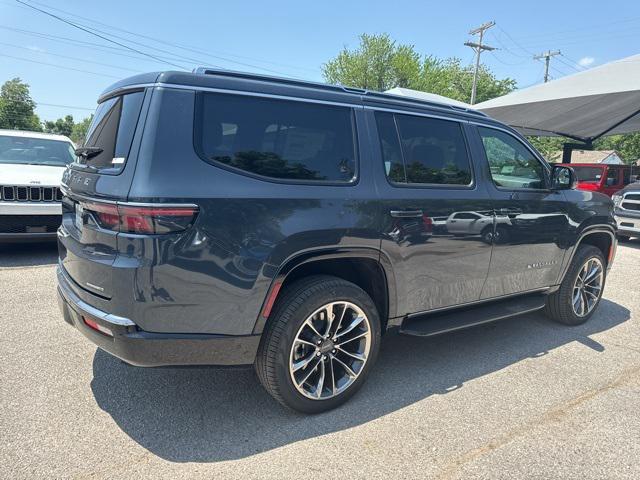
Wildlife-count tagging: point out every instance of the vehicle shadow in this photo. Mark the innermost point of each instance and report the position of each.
(28, 254)
(631, 243)
(211, 415)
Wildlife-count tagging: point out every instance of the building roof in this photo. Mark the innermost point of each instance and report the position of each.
(584, 156)
(28, 134)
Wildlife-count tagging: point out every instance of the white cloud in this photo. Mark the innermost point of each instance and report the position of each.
(586, 61)
(35, 49)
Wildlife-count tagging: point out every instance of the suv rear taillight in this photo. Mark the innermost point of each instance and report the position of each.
(142, 219)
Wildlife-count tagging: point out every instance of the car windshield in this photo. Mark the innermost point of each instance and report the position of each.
(35, 151)
(588, 174)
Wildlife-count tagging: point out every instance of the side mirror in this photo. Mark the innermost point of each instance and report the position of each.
(563, 178)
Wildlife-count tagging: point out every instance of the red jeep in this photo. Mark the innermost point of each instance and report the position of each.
(602, 177)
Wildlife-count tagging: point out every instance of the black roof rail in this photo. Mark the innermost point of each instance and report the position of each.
(327, 86)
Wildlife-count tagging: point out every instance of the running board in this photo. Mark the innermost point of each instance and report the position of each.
(450, 321)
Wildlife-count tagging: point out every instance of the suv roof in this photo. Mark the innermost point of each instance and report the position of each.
(210, 78)
(29, 134)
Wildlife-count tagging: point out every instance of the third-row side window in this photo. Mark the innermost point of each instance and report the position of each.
(422, 150)
(277, 138)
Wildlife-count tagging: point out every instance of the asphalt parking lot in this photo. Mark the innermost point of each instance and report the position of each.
(524, 398)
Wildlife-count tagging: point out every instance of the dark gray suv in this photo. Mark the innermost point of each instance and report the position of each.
(221, 218)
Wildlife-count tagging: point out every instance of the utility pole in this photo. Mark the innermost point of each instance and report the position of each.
(547, 57)
(478, 48)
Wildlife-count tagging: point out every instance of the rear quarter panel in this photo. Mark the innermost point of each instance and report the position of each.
(214, 278)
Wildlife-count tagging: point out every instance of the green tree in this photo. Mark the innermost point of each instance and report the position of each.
(62, 126)
(379, 63)
(79, 131)
(627, 145)
(17, 108)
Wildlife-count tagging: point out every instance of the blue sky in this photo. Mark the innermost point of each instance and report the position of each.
(293, 38)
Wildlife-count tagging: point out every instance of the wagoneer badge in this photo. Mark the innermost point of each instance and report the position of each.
(541, 264)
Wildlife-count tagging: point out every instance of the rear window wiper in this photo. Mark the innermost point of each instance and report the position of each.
(88, 152)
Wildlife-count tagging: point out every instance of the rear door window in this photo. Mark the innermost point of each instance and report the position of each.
(423, 150)
(279, 139)
(111, 132)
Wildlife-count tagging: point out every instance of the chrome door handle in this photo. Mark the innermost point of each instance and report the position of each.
(406, 213)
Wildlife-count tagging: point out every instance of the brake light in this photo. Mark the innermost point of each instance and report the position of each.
(142, 219)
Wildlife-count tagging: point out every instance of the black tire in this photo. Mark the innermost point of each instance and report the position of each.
(559, 304)
(295, 304)
(487, 234)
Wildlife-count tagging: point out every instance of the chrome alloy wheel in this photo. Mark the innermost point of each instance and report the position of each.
(588, 287)
(330, 350)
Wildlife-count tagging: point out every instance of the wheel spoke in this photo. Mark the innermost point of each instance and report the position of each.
(333, 376)
(303, 363)
(330, 318)
(352, 339)
(309, 323)
(320, 385)
(344, 309)
(354, 323)
(591, 294)
(346, 367)
(308, 374)
(304, 342)
(576, 298)
(358, 357)
(592, 274)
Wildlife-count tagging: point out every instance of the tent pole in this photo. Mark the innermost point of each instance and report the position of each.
(567, 148)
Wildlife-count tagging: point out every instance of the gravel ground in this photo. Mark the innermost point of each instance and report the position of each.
(524, 398)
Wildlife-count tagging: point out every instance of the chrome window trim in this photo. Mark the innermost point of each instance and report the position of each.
(248, 93)
(417, 114)
(79, 196)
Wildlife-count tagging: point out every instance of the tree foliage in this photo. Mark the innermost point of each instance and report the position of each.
(62, 126)
(17, 108)
(79, 130)
(627, 146)
(379, 63)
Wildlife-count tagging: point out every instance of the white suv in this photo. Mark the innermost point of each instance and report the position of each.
(31, 167)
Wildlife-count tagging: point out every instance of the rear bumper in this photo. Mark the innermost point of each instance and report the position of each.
(147, 349)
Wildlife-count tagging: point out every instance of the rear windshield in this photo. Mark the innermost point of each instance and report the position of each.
(588, 174)
(111, 131)
(35, 151)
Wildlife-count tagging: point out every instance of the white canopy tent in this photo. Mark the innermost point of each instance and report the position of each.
(585, 106)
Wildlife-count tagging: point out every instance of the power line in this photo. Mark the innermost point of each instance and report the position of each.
(51, 104)
(107, 34)
(59, 66)
(479, 48)
(70, 58)
(185, 47)
(79, 27)
(83, 44)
